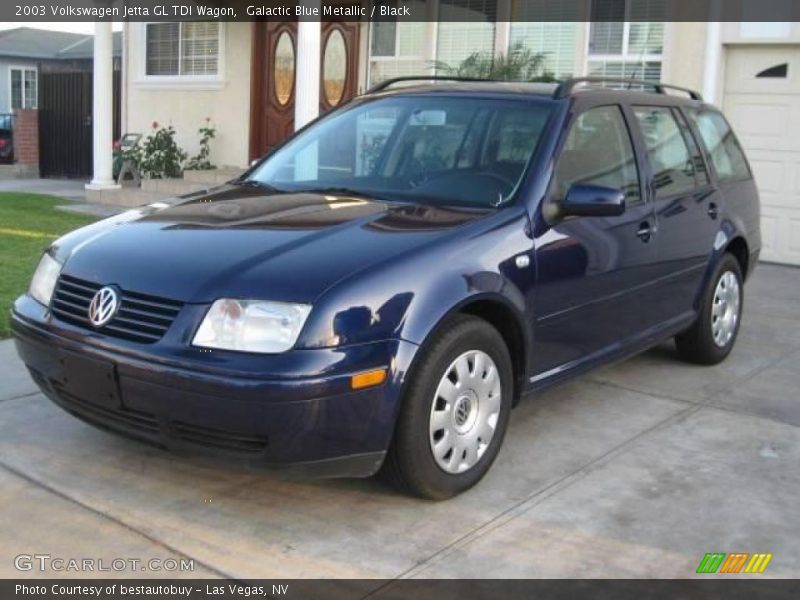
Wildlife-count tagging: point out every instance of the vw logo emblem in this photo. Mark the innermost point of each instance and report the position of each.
(104, 306)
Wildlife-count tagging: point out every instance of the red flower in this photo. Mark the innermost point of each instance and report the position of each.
(155, 124)
(117, 145)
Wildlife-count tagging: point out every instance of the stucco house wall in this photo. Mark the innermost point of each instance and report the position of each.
(684, 54)
(185, 104)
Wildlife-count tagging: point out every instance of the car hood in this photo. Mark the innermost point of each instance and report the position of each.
(239, 241)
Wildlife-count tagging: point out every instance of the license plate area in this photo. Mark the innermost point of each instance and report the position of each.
(89, 379)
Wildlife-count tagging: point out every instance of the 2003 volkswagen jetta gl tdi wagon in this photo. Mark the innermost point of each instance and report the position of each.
(380, 290)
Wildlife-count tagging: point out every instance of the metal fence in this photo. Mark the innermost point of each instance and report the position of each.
(65, 123)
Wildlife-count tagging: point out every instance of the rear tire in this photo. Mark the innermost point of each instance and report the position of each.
(711, 338)
(455, 411)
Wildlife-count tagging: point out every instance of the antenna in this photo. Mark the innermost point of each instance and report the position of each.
(640, 62)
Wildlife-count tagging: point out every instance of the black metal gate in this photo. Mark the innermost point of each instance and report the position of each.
(65, 122)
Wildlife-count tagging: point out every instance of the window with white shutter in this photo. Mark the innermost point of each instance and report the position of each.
(182, 49)
(623, 40)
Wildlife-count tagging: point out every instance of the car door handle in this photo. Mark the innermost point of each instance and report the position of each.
(713, 210)
(645, 232)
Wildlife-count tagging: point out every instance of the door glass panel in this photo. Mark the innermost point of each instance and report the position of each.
(334, 68)
(598, 151)
(673, 167)
(284, 68)
(723, 149)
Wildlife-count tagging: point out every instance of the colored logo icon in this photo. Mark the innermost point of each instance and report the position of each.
(736, 562)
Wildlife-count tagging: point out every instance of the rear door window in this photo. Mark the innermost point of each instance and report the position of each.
(667, 151)
(698, 162)
(723, 149)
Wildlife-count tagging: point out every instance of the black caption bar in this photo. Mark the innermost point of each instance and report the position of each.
(402, 10)
(420, 589)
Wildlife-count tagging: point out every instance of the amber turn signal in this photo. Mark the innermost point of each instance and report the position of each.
(368, 379)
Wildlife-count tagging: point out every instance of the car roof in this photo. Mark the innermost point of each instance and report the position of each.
(511, 88)
(591, 89)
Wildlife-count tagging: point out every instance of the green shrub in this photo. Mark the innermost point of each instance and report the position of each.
(159, 156)
(518, 64)
(200, 162)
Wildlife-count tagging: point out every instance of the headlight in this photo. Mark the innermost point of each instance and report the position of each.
(251, 325)
(44, 279)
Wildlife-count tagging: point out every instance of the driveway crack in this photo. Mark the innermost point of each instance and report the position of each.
(536, 498)
(116, 521)
(21, 396)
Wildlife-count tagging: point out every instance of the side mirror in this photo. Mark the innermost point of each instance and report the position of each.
(586, 200)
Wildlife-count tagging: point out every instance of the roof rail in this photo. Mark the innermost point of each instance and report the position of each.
(566, 87)
(379, 87)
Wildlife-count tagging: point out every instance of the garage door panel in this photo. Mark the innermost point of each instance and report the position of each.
(765, 113)
(760, 119)
(762, 123)
(743, 64)
(780, 235)
(794, 237)
(770, 175)
(777, 176)
(769, 236)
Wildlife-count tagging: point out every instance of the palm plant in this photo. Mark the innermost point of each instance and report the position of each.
(518, 64)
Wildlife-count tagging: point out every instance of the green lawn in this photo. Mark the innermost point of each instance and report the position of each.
(28, 223)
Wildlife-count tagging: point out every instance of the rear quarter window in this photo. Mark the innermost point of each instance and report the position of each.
(721, 145)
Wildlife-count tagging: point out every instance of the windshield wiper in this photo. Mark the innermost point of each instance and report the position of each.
(341, 191)
(255, 183)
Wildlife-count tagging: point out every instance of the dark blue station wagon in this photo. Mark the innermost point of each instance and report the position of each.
(382, 289)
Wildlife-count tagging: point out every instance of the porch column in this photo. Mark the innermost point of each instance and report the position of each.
(713, 61)
(307, 74)
(102, 108)
(712, 69)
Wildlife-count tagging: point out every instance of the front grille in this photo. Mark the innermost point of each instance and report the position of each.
(140, 318)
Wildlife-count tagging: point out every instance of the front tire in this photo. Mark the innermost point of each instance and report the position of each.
(455, 411)
(711, 338)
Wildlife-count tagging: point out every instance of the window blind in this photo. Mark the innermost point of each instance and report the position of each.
(189, 48)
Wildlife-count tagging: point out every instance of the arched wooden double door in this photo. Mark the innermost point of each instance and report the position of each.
(273, 77)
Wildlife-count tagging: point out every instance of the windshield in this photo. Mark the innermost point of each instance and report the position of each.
(433, 150)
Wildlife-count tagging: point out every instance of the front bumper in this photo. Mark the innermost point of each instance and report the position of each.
(304, 417)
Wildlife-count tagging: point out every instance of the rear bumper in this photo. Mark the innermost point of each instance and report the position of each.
(312, 424)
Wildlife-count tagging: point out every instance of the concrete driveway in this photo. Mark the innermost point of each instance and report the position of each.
(636, 470)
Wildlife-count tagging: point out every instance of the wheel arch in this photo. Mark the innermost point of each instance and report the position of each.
(739, 249)
(507, 319)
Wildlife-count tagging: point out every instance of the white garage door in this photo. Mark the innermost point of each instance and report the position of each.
(762, 101)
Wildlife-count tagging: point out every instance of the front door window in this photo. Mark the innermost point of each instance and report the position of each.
(598, 151)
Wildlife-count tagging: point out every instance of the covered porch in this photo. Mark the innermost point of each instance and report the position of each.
(272, 80)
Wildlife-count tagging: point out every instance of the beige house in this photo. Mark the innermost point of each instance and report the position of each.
(257, 81)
